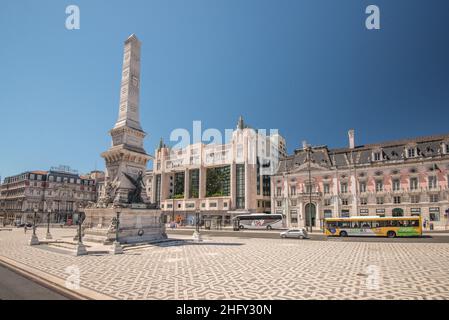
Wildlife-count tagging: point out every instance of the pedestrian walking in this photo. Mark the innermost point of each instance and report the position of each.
(25, 229)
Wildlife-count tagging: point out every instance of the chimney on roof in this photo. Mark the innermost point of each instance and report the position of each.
(351, 138)
(304, 144)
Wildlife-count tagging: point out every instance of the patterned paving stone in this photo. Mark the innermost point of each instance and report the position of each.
(230, 268)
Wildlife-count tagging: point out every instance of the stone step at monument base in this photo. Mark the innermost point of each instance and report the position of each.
(136, 225)
(134, 235)
(99, 235)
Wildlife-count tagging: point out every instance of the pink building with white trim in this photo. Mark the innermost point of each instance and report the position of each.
(396, 178)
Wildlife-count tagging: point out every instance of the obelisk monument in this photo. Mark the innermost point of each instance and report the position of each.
(124, 195)
(127, 155)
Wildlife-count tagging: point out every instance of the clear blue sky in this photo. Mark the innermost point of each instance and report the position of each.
(308, 68)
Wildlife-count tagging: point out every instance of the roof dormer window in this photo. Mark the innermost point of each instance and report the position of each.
(377, 156)
(411, 152)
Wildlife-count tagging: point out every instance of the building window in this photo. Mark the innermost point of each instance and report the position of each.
(194, 183)
(413, 183)
(266, 185)
(363, 201)
(293, 190)
(309, 188)
(397, 200)
(411, 153)
(344, 187)
(327, 202)
(278, 191)
(218, 181)
(344, 213)
(294, 203)
(377, 156)
(432, 182)
(379, 186)
(327, 213)
(278, 203)
(240, 188)
(326, 188)
(344, 201)
(294, 216)
(433, 198)
(158, 188)
(397, 212)
(362, 186)
(434, 214)
(379, 200)
(414, 198)
(396, 185)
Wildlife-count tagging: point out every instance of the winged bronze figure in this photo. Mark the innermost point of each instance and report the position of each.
(135, 196)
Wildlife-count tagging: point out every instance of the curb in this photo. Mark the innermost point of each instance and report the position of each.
(51, 282)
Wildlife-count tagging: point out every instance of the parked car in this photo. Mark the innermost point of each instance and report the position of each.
(22, 225)
(295, 233)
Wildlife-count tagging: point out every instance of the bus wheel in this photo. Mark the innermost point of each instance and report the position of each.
(391, 234)
(269, 228)
(343, 234)
(241, 227)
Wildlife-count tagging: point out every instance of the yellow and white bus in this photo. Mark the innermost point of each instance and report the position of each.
(374, 226)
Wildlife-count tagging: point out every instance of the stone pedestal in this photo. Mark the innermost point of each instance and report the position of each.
(116, 248)
(197, 236)
(136, 225)
(34, 241)
(80, 249)
(48, 236)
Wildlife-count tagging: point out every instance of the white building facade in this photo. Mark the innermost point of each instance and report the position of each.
(217, 180)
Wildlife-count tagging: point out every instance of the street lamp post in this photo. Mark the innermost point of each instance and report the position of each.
(116, 247)
(34, 239)
(173, 195)
(80, 247)
(48, 235)
(196, 234)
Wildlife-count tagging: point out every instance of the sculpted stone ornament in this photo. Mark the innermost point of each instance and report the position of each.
(110, 191)
(135, 196)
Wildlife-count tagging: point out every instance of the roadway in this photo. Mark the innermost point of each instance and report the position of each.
(14, 286)
(434, 237)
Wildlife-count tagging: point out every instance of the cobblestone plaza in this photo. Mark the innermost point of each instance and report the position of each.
(239, 268)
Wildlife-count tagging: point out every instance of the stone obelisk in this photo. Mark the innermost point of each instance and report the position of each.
(126, 163)
(127, 155)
